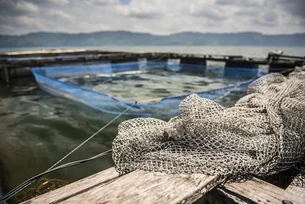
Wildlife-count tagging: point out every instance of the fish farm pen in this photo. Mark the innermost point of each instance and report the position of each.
(101, 80)
(16, 64)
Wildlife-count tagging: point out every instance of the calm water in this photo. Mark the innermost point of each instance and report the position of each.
(37, 129)
(247, 51)
(153, 83)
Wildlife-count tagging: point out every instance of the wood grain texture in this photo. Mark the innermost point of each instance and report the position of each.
(76, 188)
(149, 187)
(135, 187)
(258, 191)
(296, 190)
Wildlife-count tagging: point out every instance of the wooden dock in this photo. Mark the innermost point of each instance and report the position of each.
(151, 187)
(19, 64)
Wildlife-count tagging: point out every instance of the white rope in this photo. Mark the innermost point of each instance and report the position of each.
(89, 138)
(14, 192)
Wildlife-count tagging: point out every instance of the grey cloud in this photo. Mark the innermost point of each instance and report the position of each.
(294, 7)
(101, 2)
(210, 15)
(20, 22)
(245, 12)
(59, 15)
(142, 15)
(155, 16)
(265, 23)
(59, 2)
(238, 2)
(268, 19)
(46, 3)
(139, 12)
(17, 8)
(271, 17)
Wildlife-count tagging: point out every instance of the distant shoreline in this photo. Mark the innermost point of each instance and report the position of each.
(124, 38)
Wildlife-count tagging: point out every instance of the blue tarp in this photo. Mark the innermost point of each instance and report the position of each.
(47, 78)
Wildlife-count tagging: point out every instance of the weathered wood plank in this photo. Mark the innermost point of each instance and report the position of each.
(135, 187)
(296, 190)
(258, 191)
(297, 181)
(148, 187)
(77, 187)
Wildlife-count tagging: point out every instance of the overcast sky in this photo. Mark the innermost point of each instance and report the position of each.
(153, 16)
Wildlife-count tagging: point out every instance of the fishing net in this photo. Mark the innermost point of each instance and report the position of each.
(262, 134)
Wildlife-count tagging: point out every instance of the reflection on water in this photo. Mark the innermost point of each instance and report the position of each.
(154, 83)
(37, 129)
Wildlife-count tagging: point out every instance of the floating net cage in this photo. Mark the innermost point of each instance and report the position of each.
(79, 83)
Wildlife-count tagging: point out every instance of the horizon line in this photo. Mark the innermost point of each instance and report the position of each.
(137, 32)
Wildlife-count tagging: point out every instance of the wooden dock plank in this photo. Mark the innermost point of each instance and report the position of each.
(77, 187)
(297, 190)
(258, 191)
(135, 187)
(298, 180)
(148, 187)
(151, 187)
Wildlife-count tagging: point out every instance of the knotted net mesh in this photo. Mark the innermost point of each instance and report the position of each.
(262, 134)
